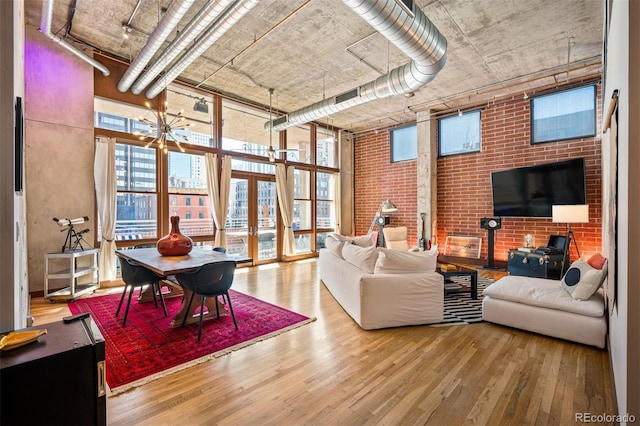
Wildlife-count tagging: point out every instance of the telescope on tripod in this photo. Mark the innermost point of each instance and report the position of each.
(74, 238)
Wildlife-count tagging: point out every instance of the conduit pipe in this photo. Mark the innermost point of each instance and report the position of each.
(45, 28)
(202, 20)
(165, 27)
(230, 17)
(416, 37)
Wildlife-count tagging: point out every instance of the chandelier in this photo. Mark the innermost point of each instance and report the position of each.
(163, 130)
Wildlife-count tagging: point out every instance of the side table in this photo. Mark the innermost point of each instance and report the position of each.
(461, 271)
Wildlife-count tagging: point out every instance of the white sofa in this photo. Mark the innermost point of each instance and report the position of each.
(381, 300)
(543, 306)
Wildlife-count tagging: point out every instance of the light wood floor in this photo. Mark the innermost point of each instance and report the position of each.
(332, 372)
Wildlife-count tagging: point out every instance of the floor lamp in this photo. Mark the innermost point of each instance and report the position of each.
(385, 207)
(578, 213)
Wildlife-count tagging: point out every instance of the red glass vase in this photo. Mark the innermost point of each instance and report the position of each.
(174, 243)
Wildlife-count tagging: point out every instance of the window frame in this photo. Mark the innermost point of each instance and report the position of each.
(392, 142)
(165, 206)
(455, 116)
(553, 93)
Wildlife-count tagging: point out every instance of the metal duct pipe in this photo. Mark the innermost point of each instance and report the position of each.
(206, 16)
(230, 17)
(166, 25)
(416, 37)
(45, 28)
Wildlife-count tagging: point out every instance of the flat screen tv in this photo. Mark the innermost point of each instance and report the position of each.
(531, 191)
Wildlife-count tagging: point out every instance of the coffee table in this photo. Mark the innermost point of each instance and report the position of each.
(461, 271)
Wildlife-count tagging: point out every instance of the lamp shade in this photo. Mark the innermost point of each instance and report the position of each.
(578, 213)
(388, 207)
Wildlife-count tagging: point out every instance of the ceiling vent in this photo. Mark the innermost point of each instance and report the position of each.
(347, 95)
(280, 120)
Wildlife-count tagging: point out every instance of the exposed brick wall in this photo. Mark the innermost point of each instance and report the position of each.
(377, 179)
(464, 182)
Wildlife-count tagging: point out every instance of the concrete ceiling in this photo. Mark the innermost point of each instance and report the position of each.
(299, 48)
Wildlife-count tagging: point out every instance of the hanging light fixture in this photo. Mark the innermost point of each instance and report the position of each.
(163, 130)
(271, 153)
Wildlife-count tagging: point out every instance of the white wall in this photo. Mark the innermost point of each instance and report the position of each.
(13, 280)
(59, 147)
(624, 325)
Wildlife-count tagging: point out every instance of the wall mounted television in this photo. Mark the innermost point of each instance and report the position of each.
(531, 191)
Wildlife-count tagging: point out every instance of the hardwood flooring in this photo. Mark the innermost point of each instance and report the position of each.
(332, 372)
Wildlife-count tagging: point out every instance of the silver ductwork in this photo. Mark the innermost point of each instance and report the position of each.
(45, 28)
(415, 36)
(230, 17)
(202, 20)
(165, 27)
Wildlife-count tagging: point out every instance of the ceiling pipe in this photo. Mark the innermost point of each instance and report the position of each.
(45, 28)
(415, 36)
(230, 17)
(165, 27)
(198, 24)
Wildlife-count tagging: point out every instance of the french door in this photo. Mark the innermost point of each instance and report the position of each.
(252, 218)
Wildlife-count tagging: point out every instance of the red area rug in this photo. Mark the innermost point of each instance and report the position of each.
(148, 348)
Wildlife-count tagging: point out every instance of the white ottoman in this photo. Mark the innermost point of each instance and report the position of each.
(543, 306)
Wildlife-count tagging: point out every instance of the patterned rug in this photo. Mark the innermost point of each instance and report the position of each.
(459, 308)
(148, 348)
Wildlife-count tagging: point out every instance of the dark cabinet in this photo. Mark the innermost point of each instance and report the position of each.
(536, 265)
(58, 380)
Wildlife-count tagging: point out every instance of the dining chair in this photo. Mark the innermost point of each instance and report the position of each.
(220, 249)
(134, 276)
(210, 280)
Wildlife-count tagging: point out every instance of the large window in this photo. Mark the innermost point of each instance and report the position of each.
(326, 148)
(153, 185)
(569, 114)
(459, 134)
(197, 108)
(243, 129)
(188, 182)
(404, 143)
(137, 197)
(302, 211)
(325, 204)
(299, 144)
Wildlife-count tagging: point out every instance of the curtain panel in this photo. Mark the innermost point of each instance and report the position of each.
(104, 176)
(218, 186)
(284, 188)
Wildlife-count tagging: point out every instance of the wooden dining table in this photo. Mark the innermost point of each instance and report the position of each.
(175, 266)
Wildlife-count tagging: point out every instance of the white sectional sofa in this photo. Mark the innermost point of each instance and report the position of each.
(378, 291)
(544, 306)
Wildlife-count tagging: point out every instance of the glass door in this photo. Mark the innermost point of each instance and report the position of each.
(252, 222)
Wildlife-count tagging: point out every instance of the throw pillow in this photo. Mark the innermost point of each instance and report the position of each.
(405, 262)
(334, 245)
(342, 238)
(362, 241)
(597, 261)
(582, 280)
(361, 257)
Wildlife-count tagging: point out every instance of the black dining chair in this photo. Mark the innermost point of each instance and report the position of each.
(220, 249)
(210, 280)
(134, 276)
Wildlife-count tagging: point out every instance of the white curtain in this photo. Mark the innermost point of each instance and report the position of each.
(284, 186)
(337, 205)
(218, 183)
(104, 176)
